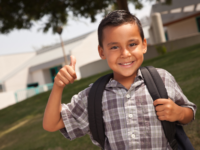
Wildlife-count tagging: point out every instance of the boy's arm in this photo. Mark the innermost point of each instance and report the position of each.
(177, 107)
(52, 120)
(167, 110)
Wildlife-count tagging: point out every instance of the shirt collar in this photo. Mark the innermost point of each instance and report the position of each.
(114, 83)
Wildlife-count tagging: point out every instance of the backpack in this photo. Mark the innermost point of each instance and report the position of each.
(174, 133)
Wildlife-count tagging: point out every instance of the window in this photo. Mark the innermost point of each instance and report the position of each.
(32, 85)
(198, 23)
(54, 71)
(166, 36)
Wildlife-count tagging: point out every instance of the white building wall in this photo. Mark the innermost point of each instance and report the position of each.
(38, 76)
(10, 62)
(86, 52)
(146, 31)
(7, 99)
(147, 34)
(19, 80)
(47, 76)
(94, 68)
(182, 29)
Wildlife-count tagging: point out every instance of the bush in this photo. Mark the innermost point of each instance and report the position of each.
(161, 49)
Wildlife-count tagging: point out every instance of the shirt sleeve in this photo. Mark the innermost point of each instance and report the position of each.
(181, 100)
(75, 116)
(174, 91)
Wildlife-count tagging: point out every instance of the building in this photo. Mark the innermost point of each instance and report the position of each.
(27, 74)
(180, 19)
(40, 67)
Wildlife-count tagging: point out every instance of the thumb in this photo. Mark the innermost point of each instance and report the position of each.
(73, 62)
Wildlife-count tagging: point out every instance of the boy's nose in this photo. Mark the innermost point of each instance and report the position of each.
(125, 53)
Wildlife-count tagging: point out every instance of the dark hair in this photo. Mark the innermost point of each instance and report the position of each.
(116, 18)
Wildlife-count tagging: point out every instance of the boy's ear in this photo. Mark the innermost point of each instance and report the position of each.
(144, 49)
(101, 52)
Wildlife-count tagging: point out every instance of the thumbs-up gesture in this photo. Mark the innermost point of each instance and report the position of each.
(66, 74)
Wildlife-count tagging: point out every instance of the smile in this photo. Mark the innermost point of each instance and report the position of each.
(126, 64)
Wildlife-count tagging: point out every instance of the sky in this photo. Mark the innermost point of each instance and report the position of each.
(20, 41)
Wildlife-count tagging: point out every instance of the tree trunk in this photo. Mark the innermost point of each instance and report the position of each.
(122, 4)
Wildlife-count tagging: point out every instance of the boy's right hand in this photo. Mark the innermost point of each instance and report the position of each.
(66, 74)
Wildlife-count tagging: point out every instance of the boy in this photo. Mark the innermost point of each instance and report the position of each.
(129, 114)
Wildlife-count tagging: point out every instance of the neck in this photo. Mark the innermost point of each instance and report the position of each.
(126, 81)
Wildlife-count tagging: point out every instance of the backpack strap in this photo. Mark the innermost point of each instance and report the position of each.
(95, 114)
(157, 90)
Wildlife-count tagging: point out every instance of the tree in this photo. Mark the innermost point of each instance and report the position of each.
(20, 14)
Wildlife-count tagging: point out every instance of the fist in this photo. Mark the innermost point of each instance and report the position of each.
(167, 110)
(66, 74)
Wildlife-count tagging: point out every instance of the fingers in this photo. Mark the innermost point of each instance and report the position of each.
(73, 62)
(165, 109)
(71, 72)
(161, 112)
(163, 115)
(163, 118)
(162, 101)
(66, 74)
(61, 79)
(163, 105)
(160, 108)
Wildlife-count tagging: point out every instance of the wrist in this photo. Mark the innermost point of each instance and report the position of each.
(181, 114)
(56, 87)
(186, 115)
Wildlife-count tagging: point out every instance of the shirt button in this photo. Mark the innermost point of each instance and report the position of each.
(128, 96)
(133, 136)
(130, 115)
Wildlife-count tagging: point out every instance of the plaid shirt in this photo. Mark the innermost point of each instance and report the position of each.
(129, 115)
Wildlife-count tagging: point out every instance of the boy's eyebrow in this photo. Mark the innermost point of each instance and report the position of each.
(113, 43)
(133, 40)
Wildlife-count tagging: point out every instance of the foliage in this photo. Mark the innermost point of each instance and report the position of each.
(21, 124)
(20, 14)
(161, 49)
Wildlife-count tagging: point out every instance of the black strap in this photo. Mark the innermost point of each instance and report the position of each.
(95, 114)
(157, 90)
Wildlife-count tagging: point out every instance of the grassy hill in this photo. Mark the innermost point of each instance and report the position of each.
(21, 124)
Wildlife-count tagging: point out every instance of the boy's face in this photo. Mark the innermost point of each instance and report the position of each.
(123, 49)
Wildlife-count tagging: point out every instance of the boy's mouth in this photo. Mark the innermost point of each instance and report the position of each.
(126, 64)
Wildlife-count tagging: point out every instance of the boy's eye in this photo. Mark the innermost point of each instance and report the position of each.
(133, 44)
(114, 47)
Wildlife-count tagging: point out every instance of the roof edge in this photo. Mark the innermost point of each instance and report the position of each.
(51, 47)
(178, 20)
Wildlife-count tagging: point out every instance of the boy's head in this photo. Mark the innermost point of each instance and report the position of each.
(117, 18)
(122, 43)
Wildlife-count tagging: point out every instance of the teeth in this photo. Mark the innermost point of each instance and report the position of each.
(127, 63)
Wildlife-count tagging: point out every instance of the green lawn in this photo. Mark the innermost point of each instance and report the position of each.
(21, 124)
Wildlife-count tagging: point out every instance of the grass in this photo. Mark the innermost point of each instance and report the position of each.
(21, 124)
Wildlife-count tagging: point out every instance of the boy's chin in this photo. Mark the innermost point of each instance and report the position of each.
(130, 75)
(125, 74)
